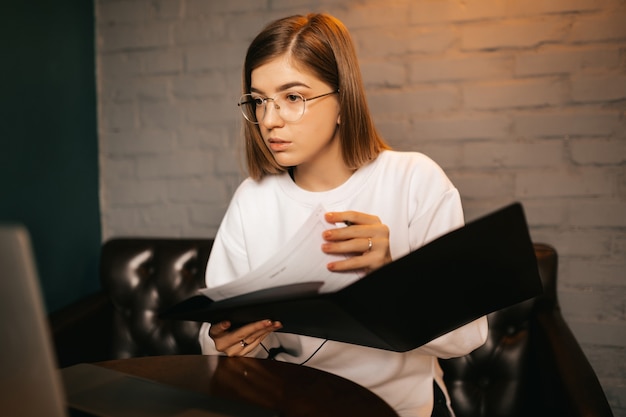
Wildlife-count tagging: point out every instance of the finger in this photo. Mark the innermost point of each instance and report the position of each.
(248, 333)
(225, 338)
(368, 258)
(366, 263)
(350, 217)
(250, 338)
(247, 344)
(352, 246)
(363, 231)
(242, 347)
(218, 329)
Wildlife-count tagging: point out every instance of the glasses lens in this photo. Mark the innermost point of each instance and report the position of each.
(248, 105)
(290, 106)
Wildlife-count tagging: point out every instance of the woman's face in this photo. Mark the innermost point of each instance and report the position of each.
(311, 141)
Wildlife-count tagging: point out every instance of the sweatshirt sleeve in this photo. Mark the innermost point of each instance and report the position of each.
(458, 342)
(227, 261)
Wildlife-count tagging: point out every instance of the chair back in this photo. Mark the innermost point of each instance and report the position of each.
(500, 378)
(144, 276)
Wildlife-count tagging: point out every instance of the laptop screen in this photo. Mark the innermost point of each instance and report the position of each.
(29, 382)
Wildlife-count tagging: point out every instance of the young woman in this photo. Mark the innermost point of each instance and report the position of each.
(310, 140)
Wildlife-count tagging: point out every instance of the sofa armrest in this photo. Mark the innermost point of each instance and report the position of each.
(81, 331)
(568, 378)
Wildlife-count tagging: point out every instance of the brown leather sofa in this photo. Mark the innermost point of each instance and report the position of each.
(531, 364)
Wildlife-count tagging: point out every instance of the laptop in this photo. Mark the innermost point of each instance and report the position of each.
(32, 386)
(29, 382)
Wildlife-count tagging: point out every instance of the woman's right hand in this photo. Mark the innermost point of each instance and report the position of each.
(243, 340)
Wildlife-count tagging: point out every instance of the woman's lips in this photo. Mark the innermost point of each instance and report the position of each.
(277, 145)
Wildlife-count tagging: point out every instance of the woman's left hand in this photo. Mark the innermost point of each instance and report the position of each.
(366, 239)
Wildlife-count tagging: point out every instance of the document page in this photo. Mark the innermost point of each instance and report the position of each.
(300, 260)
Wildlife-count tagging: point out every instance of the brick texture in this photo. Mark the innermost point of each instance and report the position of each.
(517, 101)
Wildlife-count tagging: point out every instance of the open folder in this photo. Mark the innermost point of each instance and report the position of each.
(484, 266)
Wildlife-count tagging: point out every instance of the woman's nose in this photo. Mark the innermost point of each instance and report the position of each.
(271, 117)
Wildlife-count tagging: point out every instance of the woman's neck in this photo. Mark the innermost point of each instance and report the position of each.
(321, 178)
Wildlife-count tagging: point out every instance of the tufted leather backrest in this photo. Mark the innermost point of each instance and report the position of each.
(144, 276)
(501, 377)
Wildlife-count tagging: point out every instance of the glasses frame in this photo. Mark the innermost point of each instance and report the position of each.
(266, 99)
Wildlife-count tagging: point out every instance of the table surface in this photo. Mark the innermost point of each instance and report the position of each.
(292, 390)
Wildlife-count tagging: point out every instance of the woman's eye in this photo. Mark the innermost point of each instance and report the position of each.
(257, 101)
(293, 98)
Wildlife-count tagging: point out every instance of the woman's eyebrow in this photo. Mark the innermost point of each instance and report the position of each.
(282, 87)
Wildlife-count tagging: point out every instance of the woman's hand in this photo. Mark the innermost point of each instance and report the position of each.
(243, 340)
(366, 239)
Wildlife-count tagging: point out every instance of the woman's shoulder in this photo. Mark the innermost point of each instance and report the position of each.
(251, 189)
(412, 168)
(268, 181)
(407, 160)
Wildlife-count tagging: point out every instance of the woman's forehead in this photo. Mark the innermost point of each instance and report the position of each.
(280, 73)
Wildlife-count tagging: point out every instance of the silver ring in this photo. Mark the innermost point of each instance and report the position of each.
(369, 244)
(243, 343)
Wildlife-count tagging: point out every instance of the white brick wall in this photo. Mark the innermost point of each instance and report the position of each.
(517, 100)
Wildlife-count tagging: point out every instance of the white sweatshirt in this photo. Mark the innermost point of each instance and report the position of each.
(415, 199)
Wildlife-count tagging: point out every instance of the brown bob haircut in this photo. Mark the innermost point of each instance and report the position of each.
(321, 44)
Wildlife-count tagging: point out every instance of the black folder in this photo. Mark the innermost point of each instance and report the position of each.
(482, 267)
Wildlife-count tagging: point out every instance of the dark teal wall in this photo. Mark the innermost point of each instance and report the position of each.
(48, 140)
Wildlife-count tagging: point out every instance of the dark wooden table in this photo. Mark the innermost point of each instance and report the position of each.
(292, 390)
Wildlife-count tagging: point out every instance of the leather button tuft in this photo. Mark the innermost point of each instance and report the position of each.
(483, 382)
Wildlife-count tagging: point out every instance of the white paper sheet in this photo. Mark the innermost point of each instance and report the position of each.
(300, 260)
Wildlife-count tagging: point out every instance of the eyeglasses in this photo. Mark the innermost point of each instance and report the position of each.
(290, 106)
